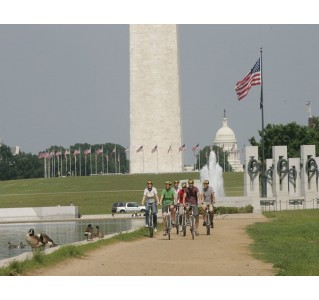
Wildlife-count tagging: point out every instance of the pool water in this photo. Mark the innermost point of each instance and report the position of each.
(61, 233)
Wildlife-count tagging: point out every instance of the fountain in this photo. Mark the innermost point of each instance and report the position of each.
(214, 173)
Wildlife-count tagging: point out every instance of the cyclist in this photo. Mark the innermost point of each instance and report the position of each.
(150, 198)
(208, 198)
(176, 187)
(181, 195)
(167, 201)
(192, 197)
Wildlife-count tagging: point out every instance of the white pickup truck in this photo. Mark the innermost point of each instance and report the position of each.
(130, 207)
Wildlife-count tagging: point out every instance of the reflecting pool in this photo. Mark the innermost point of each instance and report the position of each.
(61, 233)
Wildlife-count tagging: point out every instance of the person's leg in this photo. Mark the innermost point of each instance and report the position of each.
(172, 209)
(164, 212)
(204, 214)
(154, 215)
(212, 216)
(147, 207)
(187, 215)
(196, 214)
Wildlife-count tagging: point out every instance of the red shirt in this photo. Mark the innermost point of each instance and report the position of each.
(180, 195)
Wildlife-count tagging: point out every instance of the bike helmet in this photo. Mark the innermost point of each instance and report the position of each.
(190, 181)
(176, 181)
(149, 182)
(168, 182)
(205, 182)
(184, 185)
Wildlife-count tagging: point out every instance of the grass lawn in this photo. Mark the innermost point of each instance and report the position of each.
(290, 241)
(94, 195)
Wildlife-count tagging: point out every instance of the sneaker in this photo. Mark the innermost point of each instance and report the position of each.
(155, 229)
(180, 228)
(188, 223)
(212, 225)
(196, 233)
(204, 223)
(173, 225)
(146, 226)
(164, 233)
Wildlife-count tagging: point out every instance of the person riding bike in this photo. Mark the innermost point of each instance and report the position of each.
(167, 201)
(150, 198)
(208, 199)
(192, 198)
(181, 195)
(176, 186)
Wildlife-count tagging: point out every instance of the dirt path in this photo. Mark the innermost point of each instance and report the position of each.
(225, 252)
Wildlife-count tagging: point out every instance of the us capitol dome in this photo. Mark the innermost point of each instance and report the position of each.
(226, 140)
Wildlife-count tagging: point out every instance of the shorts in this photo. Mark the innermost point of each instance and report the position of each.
(194, 208)
(165, 208)
(211, 207)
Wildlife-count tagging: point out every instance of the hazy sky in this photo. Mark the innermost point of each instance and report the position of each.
(66, 84)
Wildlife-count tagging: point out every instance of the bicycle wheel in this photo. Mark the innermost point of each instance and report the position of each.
(168, 226)
(151, 224)
(184, 224)
(177, 222)
(207, 222)
(192, 227)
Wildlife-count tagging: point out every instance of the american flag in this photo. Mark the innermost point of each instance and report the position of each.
(182, 148)
(87, 151)
(252, 78)
(308, 106)
(139, 149)
(46, 155)
(52, 153)
(107, 157)
(114, 150)
(99, 151)
(58, 153)
(67, 152)
(195, 147)
(127, 149)
(169, 149)
(41, 155)
(154, 149)
(76, 152)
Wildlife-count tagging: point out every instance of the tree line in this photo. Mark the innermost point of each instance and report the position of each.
(57, 163)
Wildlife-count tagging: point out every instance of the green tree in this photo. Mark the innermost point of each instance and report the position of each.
(7, 163)
(291, 134)
(221, 157)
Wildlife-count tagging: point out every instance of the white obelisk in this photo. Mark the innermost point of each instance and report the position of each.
(155, 110)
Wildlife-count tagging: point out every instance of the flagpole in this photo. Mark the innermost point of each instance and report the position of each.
(103, 159)
(157, 160)
(85, 164)
(107, 162)
(91, 160)
(263, 176)
(119, 161)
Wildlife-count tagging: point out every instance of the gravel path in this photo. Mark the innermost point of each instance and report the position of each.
(225, 252)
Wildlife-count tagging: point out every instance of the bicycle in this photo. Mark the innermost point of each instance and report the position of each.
(192, 220)
(207, 219)
(184, 220)
(168, 223)
(150, 220)
(177, 217)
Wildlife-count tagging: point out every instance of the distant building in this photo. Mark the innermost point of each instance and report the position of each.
(14, 150)
(226, 140)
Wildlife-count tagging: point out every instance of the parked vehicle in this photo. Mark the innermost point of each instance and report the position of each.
(130, 207)
(115, 205)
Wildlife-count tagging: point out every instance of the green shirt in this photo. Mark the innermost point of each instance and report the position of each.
(168, 196)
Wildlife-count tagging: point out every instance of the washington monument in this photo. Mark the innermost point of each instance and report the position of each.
(155, 110)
